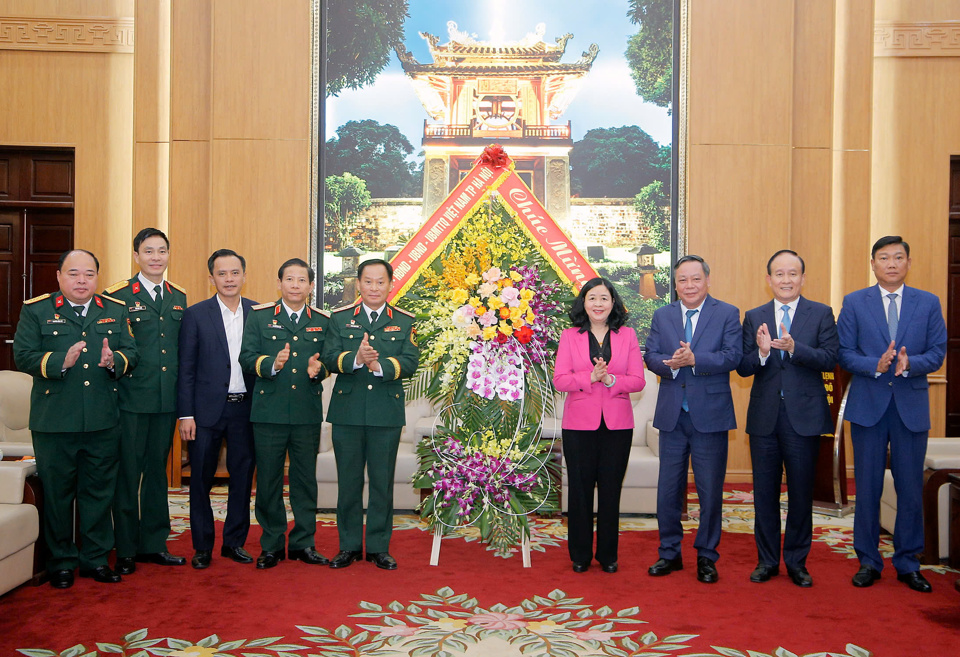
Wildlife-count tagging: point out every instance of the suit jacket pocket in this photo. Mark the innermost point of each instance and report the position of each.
(919, 383)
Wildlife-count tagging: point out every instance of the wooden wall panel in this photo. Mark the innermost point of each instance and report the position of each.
(813, 69)
(151, 186)
(268, 44)
(810, 217)
(152, 80)
(191, 73)
(190, 215)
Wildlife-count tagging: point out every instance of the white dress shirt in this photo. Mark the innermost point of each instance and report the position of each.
(778, 315)
(233, 327)
(693, 320)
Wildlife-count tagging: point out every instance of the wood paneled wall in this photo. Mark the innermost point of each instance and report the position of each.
(77, 91)
(230, 148)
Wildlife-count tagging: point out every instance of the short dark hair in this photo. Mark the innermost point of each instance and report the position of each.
(375, 261)
(693, 258)
(63, 256)
(887, 241)
(147, 233)
(225, 253)
(296, 262)
(618, 315)
(803, 266)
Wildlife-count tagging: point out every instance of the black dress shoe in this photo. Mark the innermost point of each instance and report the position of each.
(382, 560)
(915, 581)
(666, 566)
(800, 577)
(308, 555)
(126, 566)
(763, 573)
(201, 559)
(611, 567)
(162, 559)
(707, 571)
(269, 559)
(866, 576)
(61, 579)
(344, 558)
(101, 574)
(237, 554)
(581, 566)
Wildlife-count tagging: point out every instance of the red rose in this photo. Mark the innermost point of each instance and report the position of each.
(501, 338)
(524, 334)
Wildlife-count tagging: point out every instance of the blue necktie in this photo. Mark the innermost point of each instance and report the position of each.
(893, 320)
(688, 338)
(786, 323)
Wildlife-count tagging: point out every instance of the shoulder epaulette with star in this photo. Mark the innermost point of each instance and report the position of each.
(263, 306)
(122, 303)
(177, 286)
(405, 312)
(36, 299)
(325, 313)
(119, 285)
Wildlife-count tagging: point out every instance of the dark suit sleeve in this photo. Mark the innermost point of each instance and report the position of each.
(657, 350)
(932, 357)
(750, 361)
(188, 351)
(731, 347)
(822, 357)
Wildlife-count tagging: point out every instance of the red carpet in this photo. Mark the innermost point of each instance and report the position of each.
(488, 605)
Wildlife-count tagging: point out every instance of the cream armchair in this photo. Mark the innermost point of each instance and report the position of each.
(15, 438)
(19, 525)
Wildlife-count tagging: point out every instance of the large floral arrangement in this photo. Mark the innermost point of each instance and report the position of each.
(489, 317)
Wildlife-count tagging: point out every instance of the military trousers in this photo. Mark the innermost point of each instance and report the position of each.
(272, 443)
(375, 449)
(81, 467)
(141, 515)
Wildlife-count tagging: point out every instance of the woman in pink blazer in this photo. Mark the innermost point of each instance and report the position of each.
(598, 365)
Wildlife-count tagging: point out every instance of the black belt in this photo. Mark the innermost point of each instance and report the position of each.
(236, 396)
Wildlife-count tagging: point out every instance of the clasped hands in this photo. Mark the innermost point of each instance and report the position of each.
(765, 341)
(682, 357)
(313, 364)
(73, 354)
(903, 361)
(367, 355)
(600, 373)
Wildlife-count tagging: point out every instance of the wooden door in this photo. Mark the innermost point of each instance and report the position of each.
(953, 304)
(36, 226)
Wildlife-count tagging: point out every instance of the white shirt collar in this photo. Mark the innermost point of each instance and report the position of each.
(778, 305)
(290, 310)
(367, 309)
(684, 309)
(147, 283)
(898, 291)
(225, 309)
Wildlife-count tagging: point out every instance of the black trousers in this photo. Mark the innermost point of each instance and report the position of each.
(234, 426)
(595, 460)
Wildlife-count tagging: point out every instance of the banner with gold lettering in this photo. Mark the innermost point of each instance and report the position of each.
(493, 172)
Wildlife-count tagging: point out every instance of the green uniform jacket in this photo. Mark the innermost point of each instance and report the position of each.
(290, 397)
(153, 387)
(84, 398)
(361, 398)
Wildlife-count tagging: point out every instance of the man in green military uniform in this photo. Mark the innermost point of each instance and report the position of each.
(148, 400)
(282, 343)
(371, 347)
(75, 344)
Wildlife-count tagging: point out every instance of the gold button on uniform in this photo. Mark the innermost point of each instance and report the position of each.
(84, 350)
(294, 370)
(295, 338)
(163, 351)
(369, 386)
(294, 355)
(372, 338)
(55, 333)
(293, 387)
(86, 383)
(84, 333)
(86, 365)
(164, 368)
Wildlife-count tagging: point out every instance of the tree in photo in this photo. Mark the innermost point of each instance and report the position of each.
(653, 206)
(346, 197)
(360, 38)
(377, 153)
(617, 162)
(650, 51)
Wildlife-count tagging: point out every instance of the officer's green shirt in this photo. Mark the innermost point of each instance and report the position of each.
(360, 397)
(84, 397)
(290, 396)
(153, 387)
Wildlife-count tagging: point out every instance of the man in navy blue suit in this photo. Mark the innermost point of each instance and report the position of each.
(694, 344)
(787, 344)
(891, 337)
(214, 398)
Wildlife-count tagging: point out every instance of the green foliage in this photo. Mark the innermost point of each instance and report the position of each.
(653, 205)
(617, 162)
(627, 280)
(347, 196)
(360, 37)
(377, 153)
(650, 51)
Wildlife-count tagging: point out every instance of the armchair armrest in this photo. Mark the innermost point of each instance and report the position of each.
(13, 477)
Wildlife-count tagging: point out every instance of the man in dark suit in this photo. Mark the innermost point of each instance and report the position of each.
(282, 346)
(371, 347)
(891, 337)
(76, 344)
(214, 398)
(693, 345)
(788, 412)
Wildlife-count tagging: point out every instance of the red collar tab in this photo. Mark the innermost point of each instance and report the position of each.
(357, 311)
(96, 300)
(136, 287)
(59, 301)
(167, 284)
(276, 311)
(309, 316)
(389, 312)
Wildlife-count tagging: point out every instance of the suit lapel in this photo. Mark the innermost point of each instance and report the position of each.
(166, 301)
(907, 311)
(875, 306)
(676, 321)
(216, 318)
(706, 312)
(801, 316)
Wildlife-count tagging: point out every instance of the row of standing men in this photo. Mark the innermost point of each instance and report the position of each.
(113, 372)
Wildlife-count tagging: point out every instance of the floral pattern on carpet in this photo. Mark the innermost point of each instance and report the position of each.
(445, 624)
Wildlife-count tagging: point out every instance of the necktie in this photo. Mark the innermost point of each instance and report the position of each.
(893, 320)
(293, 318)
(158, 294)
(785, 322)
(78, 310)
(373, 317)
(688, 338)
